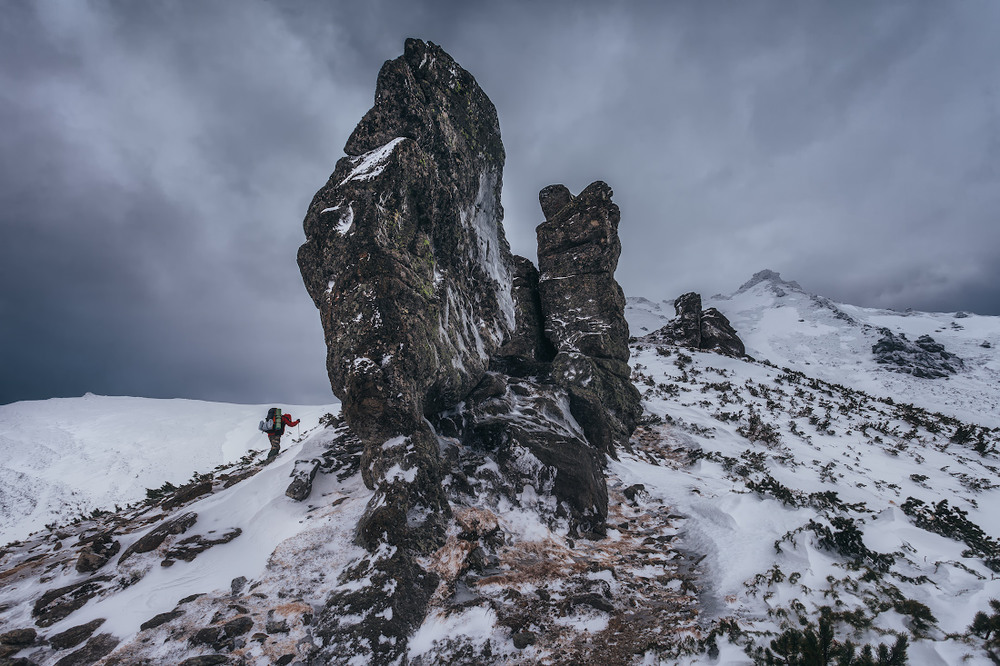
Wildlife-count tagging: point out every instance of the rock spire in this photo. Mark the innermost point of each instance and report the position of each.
(468, 376)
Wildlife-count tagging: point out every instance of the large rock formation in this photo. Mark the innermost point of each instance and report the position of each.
(922, 357)
(705, 330)
(584, 310)
(438, 339)
(407, 262)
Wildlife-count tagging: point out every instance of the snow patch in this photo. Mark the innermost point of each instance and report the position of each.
(371, 164)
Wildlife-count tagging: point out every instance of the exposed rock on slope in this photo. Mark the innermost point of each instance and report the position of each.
(773, 280)
(434, 328)
(583, 308)
(921, 358)
(706, 330)
(406, 259)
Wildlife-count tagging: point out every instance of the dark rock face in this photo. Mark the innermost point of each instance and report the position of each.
(56, 604)
(584, 310)
(74, 635)
(921, 358)
(407, 262)
(530, 433)
(437, 336)
(97, 647)
(96, 554)
(405, 255)
(706, 330)
(158, 535)
(528, 351)
(717, 334)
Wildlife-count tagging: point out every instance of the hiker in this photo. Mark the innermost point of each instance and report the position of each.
(274, 427)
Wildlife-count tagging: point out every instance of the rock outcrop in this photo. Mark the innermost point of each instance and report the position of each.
(584, 310)
(705, 330)
(440, 340)
(407, 262)
(922, 357)
(774, 282)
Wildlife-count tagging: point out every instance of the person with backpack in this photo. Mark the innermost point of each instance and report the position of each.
(274, 427)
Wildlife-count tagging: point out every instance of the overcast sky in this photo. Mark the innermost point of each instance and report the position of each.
(157, 159)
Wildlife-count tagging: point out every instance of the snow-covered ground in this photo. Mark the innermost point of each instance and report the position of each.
(66, 457)
(781, 323)
(810, 482)
(758, 509)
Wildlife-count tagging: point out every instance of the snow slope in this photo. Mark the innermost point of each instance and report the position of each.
(781, 323)
(69, 456)
(757, 502)
(757, 496)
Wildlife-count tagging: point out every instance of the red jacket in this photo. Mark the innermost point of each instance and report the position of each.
(287, 420)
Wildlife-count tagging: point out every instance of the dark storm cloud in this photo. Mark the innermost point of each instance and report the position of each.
(157, 159)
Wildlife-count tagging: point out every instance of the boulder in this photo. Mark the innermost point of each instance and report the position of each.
(206, 660)
(156, 536)
(302, 479)
(54, 605)
(922, 357)
(74, 635)
(189, 548)
(95, 648)
(704, 330)
(718, 335)
(96, 554)
(223, 637)
(159, 619)
(686, 327)
(19, 637)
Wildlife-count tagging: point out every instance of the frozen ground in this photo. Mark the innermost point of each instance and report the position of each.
(66, 457)
(758, 495)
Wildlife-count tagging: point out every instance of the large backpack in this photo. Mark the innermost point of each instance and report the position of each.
(273, 425)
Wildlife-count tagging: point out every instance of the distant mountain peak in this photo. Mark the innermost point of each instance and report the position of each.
(772, 277)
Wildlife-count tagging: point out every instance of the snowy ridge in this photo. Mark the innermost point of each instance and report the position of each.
(789, 471)
(809, 490)
(781, 323)
(69, 456)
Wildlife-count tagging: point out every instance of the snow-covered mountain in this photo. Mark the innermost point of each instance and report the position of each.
(806, 493)
(780, 322)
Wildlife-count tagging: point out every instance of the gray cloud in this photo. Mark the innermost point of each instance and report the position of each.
(157, 161)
